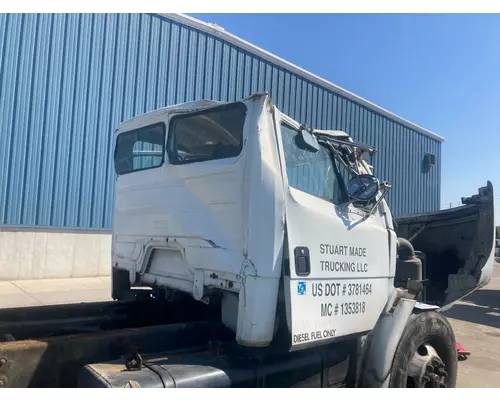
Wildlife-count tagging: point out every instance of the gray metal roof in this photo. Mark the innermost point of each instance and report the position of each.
(219, 32)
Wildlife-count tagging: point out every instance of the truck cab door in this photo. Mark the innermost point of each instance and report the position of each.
(338, 274)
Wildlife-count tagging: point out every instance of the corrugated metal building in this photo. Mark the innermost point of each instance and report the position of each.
(68, 80)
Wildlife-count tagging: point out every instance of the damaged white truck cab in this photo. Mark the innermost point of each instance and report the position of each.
(285, 229)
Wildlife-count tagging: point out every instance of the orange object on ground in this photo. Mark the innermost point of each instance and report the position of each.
(462, 353)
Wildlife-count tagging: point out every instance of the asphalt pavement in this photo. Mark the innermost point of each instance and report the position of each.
(476, 322)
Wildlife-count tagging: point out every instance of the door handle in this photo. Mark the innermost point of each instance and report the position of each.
(302, 261)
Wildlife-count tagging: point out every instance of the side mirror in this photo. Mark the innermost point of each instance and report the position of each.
(307, 141)
(363, 187)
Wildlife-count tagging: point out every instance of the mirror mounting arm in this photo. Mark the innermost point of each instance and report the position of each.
(337, 156)
(386, 186)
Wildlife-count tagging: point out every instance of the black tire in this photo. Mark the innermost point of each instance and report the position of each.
(434, 329)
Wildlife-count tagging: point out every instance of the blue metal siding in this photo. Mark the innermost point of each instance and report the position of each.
(68, 80)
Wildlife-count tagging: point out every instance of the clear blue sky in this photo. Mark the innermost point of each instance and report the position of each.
(440, 71)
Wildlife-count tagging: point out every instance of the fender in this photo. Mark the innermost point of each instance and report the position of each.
(379, 347)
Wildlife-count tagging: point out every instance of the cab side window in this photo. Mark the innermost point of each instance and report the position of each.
(140, 149)
(312, 173)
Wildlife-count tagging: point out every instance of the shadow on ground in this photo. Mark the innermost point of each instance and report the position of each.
(481, 307)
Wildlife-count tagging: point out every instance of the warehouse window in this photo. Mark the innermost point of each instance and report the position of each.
(313, 173)
(140, 149)
(207, 135)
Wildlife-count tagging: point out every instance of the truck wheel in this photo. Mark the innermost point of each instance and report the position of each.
(426, 356)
